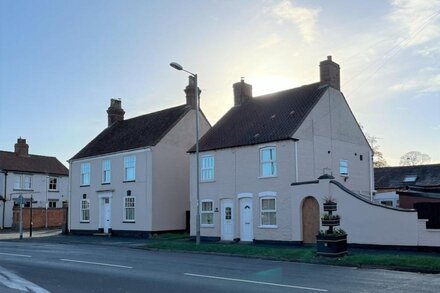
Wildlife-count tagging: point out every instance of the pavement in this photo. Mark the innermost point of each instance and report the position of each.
(56, 236)
(13, 234)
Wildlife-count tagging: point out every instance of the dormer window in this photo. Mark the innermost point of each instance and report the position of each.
(410, 178)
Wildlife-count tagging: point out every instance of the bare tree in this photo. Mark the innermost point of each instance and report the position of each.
(378, 159)
(414, 158)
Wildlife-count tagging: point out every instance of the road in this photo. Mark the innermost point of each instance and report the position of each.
(42, 266)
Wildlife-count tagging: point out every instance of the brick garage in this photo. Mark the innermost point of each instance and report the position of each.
(56, 218)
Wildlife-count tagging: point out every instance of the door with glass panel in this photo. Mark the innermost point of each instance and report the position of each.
(227, 222)
(246, 223)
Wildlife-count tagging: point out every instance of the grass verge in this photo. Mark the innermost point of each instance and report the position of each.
(387, 259)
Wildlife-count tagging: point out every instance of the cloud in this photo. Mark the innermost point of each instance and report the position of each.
(303, 18)
(421, 85)
(419, 19)
(270, 42)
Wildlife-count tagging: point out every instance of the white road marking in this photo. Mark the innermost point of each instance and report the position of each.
(255, 282)
(13, 254)
(13, 281)
(96, 263)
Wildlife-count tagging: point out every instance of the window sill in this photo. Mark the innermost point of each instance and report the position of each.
(266, 177)
(207, 226)
(105, 183)
(84, 222)
(128, 181)
(268, 227)
(87, 185)
(207, 181)
(129, 222)
(53, 190)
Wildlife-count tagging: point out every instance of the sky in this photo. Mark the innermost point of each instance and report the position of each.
(62, 61)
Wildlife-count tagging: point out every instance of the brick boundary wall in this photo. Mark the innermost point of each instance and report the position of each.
(56, 217)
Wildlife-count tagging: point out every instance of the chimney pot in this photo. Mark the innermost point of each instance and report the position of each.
(115, 112)
(242, 92)
(330, 73)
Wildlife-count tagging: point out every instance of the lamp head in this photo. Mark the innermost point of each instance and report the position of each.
(176, 65)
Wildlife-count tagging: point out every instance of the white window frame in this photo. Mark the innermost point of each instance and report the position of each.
(106, 171)
(129, 164)
(206, 212)
(20, 182)
(84, 210)
(27, 184)
(85, 174)
(263, 225)
(17, 181)
(272, 161)
(207, 164)
(343, 165)
(51, 184)
(127, 201)
(53, 202)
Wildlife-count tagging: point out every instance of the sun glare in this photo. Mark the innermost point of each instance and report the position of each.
(266, 84)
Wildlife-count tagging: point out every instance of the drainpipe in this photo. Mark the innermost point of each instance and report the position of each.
(69, 203)
(295, 145)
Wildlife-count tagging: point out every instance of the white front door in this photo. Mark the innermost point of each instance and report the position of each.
(106, 213)
(227, 223)
(246, 224)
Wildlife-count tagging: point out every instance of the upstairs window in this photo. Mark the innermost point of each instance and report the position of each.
(53, 184)
(106, 171)
(22, 181)
(85, 174)
(343, 167)
(268, 162)
(207, 168)
(130, 168)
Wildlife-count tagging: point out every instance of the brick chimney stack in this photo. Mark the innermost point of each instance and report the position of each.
(190, 92)
(242, 92)
(21, 147)
(115, 112)
(330, 73)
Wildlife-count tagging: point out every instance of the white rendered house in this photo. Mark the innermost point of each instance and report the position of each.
(260, 146)
(133, 178)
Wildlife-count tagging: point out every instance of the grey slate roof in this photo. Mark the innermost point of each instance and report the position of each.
(267, 118)
(11, 161)
(392, 177)
(142, 131)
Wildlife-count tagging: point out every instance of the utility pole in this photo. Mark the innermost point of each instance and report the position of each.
(30, 218)
(4, 200)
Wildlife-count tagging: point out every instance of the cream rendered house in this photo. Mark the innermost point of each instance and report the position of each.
(250, 157)
(133, 178)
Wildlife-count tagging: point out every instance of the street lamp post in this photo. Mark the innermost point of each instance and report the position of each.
(180, 67)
